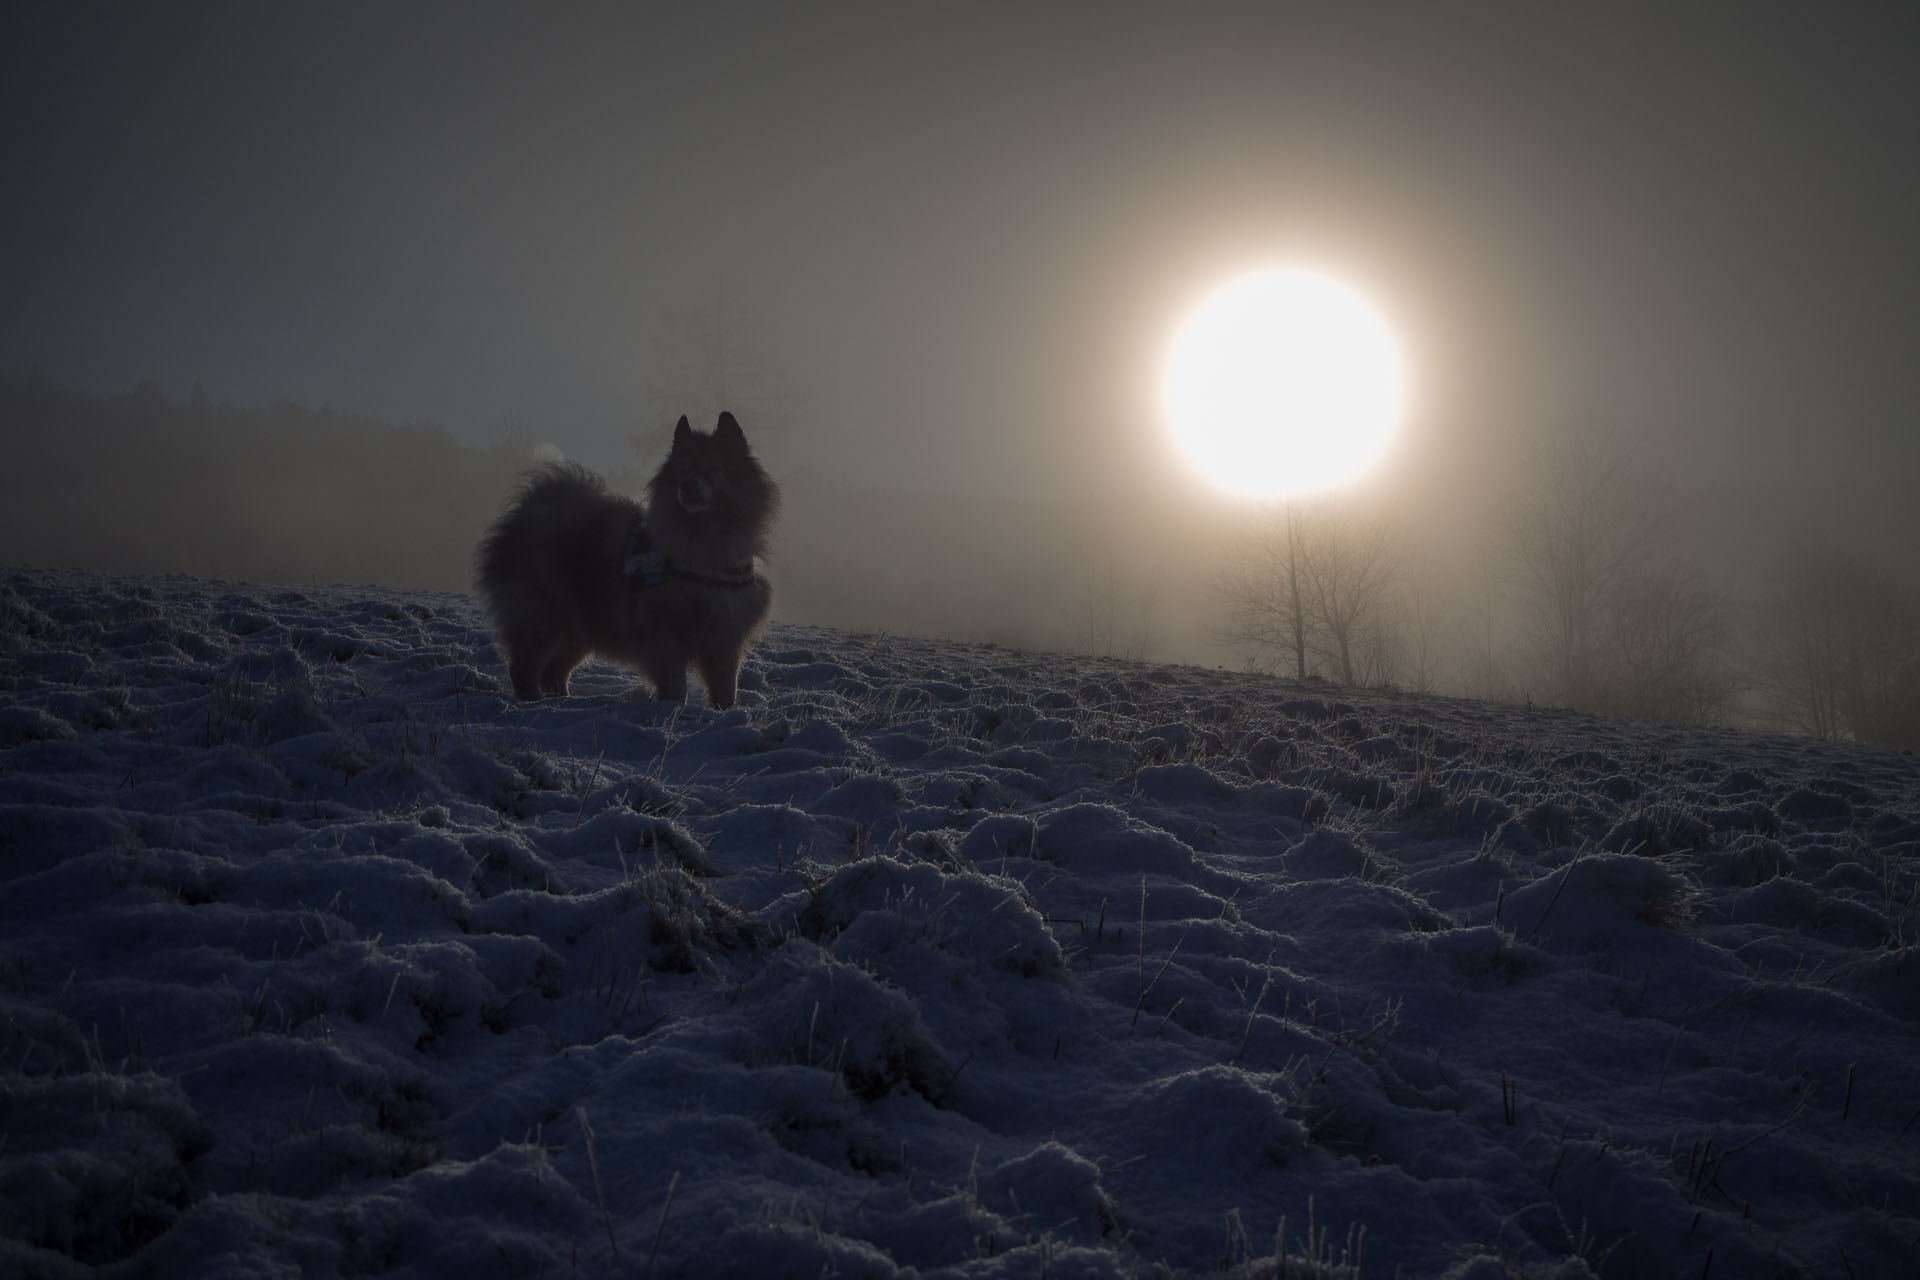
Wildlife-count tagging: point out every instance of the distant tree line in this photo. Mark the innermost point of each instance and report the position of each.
(1839, 656)
(133, 482)
(1585, 604)
(286, 494)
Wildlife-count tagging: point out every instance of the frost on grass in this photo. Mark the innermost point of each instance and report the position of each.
(320, 954)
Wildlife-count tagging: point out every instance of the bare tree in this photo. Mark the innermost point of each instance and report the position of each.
(1311, 592)
(1841, 644)
(1664, 653)
(1107, 607)
(1350, 572)
(1422, 626)
(1586, 527)
(1488, 670)
(1267, 593)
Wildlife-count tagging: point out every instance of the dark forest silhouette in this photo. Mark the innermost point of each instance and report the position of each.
(134, 483)
(281, 494)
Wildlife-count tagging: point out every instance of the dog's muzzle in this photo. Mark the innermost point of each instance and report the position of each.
(694, 495)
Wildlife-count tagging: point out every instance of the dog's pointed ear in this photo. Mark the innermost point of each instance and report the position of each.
(681, 430)
(728, 432)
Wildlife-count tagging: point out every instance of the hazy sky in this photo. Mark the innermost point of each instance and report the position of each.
(966, 231)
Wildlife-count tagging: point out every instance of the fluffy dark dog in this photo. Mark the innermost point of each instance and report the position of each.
(570, 570)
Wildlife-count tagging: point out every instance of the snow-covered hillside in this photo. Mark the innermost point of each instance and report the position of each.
(321, 955)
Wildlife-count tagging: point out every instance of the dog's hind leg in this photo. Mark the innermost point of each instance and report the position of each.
(553, 675)
(669, 676)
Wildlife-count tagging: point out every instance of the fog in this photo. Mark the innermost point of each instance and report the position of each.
(932, 257)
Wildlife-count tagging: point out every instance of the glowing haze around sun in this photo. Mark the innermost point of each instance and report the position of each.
(1283, 382)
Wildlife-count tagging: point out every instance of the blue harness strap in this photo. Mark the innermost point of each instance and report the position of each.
(642, 567)
(645, 567)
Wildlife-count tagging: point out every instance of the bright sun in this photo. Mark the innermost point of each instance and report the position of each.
(1282, 382)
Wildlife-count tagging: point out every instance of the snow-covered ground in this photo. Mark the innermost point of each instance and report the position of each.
(320, 955)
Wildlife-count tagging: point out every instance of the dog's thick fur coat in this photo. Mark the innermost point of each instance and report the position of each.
(570, 569)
